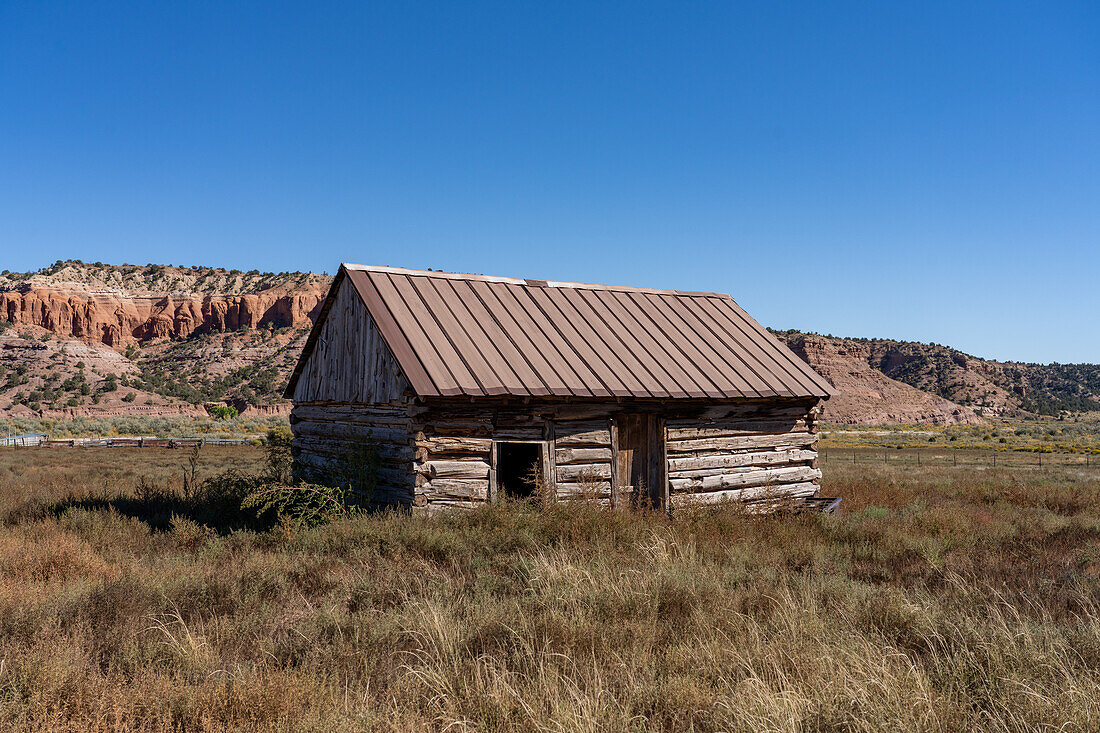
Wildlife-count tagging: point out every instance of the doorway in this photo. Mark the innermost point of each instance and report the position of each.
(518, 469)
(639, 462)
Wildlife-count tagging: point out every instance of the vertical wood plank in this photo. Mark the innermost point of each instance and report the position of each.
(661, 451)
(494, 489)
(613, 426)
(350, 362)
(550, 461)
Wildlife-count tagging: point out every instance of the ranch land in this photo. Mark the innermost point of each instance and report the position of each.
(134, 595)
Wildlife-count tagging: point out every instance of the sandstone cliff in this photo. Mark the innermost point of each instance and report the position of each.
(121, 318)
(91, 339)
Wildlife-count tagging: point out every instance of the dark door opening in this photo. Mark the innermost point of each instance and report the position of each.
(518, 469)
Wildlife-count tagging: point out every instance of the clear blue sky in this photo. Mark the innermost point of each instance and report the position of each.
(925, 171)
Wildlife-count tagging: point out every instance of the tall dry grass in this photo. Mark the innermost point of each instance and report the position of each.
(942, 600)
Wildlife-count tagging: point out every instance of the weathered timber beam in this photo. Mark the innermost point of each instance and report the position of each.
(747, 478)
(456, 469)
(593, 438)
(741, 443)
(788, 491)
(582, 455)
(438, 444)
(726, 460)
(454, 489)
(582, 472)
(361, 432)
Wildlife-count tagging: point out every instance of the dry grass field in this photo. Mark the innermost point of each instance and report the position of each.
(943, 599)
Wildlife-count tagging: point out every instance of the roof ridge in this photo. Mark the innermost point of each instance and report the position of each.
(530, 282)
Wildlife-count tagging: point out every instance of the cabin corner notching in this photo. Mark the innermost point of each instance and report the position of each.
(472, 389)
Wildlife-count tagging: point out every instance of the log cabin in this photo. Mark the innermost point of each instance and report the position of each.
(467, 389)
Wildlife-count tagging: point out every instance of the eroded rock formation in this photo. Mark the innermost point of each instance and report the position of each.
(119, 319)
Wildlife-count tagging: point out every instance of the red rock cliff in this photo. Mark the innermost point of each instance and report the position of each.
(119, 319)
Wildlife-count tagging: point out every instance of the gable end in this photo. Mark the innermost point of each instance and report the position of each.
(345, 358)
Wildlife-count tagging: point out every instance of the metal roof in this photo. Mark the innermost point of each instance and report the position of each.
(474, 335)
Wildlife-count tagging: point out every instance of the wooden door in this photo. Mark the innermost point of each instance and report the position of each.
(639, 462)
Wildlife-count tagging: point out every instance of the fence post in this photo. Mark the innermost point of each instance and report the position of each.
(955, 457)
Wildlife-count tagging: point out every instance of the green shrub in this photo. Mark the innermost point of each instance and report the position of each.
(304, 505)
(222, 412)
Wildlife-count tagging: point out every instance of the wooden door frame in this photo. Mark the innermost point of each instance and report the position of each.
(546, 464)
(657, 434)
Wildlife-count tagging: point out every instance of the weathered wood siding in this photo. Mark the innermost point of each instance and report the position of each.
(441, 454)
(330, 438)
(755, 453)
(351, 363)
(582, 457)
(454, 449)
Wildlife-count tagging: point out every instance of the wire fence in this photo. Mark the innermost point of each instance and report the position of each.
(919, 457)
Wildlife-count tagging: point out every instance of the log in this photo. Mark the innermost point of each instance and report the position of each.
(741, 443)
(582, 472)
(471, 426)
(773, 476)
(352, 431)
(337, 447)
(782, 491)
(438, 505)
(728, 460)
(455, 489)
(590, 438)
(362, 415)
(454, 484)
(702, 430)
(439, 444)
(580, 490)
(457, 469)
(582, 455)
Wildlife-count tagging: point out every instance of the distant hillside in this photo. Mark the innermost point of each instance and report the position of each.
(866, 395)
(989, 387)
(95, 339)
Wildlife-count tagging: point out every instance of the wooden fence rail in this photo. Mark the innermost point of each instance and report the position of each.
(135, 442)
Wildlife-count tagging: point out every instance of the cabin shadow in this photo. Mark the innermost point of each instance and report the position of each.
(159, 507)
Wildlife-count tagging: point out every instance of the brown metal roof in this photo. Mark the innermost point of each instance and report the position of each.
(475, 335)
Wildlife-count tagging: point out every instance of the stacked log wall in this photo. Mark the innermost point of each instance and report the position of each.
(582, 459)
(330, 437)
(454, 449)
(765, 452)
(440, 455)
